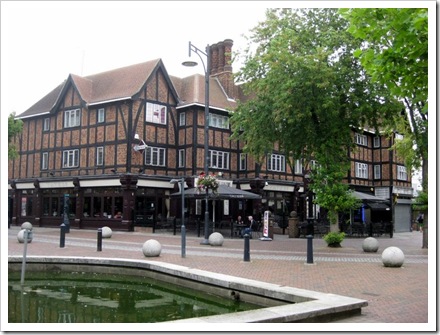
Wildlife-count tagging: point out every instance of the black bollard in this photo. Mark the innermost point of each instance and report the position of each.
(99, 239)
(246, 257)
(309, 249)
(62, 235)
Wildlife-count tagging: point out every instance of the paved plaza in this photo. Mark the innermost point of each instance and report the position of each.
(396, 296)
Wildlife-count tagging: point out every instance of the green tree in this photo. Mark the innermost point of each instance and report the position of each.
(307, 94)
(394, 53)
(14, 128)
(330, 192)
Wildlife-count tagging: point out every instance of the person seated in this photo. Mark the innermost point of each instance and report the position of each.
(118, 215)
(252, 226)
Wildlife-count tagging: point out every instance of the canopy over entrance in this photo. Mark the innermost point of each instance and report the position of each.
(223, 192)
(368, 197)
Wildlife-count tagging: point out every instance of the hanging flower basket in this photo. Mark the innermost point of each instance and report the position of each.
(209, 182)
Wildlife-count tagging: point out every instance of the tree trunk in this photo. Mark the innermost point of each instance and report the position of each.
(333, 218)
(425, 214)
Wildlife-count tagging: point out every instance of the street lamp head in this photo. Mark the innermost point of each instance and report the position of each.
(190, 63)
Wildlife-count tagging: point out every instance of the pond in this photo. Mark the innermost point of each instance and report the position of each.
(81, 297)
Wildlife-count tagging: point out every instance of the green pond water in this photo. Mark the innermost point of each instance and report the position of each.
(78, 297)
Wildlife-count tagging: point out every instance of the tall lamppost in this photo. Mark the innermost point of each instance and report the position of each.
(182, 227)
(206, 68)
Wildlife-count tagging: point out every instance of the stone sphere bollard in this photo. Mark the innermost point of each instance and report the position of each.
(393, 257)
(216, 239)
(151, 248)
(26, 225)
(20, 236)
(106, 232)
(370, 244)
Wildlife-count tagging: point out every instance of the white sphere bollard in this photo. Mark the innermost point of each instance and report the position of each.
(151, 248)
(106, 232)
(20, 236)
(393, 257)
(370, 244)
(216, 239)
(26, 225)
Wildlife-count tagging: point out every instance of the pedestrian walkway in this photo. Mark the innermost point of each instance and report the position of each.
(394, 295)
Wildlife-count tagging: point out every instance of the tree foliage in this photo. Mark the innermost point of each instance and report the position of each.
(14, 128)
(307, 92)
(330, 193)
(395, 54)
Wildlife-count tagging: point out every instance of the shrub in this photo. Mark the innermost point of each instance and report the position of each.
(334, 238)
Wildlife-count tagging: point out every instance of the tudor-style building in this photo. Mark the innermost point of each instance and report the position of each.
(111, 142)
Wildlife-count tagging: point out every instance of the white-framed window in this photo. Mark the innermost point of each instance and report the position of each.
(155, 156)
(376, 142)
(377, 171)
(276, 163)
(72, 118)
(219, 159)
(361, 139)
(156, 113)
(361, 170)
(218, 121)
(298, 166)
(182, 119)
(99, 156)
(181, 158)
(401, 173)
(70, 158)
(313, 164)
(44, 161)
(46, 124)
(101, 115)
(243, 162)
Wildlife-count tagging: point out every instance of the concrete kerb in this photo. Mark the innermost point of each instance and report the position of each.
(300, 305)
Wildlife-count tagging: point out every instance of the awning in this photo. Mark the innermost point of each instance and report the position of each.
(378, 206)
(365, 196)
(223, 192)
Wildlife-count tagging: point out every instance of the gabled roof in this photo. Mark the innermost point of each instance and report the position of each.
(124, 83)
(45, 105)
(192, 92)
(98, 88)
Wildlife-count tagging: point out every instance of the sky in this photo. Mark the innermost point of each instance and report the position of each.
(43, 42)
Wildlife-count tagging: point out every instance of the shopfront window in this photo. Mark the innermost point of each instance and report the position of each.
(104, 203)
(27, 204)
(53, 203)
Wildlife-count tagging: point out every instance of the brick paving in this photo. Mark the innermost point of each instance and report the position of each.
(394, 295)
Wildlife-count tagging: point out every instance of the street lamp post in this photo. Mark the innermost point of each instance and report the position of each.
(182, 227)
(206, 68)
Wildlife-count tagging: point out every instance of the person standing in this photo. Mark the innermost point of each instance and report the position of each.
(420, 221)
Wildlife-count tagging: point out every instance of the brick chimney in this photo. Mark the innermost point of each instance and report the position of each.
(221, 66)
(214, 59)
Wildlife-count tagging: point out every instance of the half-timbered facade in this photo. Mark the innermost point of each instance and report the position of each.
(111, 142)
